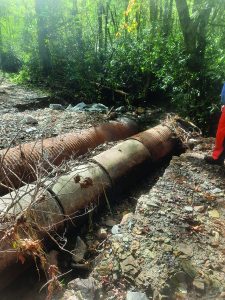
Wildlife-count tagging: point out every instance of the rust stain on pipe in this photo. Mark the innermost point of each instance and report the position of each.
(158, 140)
(19, 163)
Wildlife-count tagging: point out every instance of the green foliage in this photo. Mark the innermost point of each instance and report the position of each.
(144, 48)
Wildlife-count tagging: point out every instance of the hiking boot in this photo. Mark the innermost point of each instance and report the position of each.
(210, 160)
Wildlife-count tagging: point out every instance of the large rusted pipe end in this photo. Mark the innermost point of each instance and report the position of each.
(158, 140)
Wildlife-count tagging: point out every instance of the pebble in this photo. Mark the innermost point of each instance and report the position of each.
(199, 285)
(102, 234)
(56, 106)
(214, 213)
(125, 239)
(109, 222)
(185, 249)
(216, 191)
(30, 120)
(199, 208)
(188, 209)
(116, 229)
(136, 296)
(126, 218)
(31, 129)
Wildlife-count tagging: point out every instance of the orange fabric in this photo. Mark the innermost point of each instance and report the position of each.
(220, 137)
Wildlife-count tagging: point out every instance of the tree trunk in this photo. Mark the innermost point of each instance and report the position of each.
(194, 33)
(106, 25)
(167, 18)
(44, 53)
(78, 27)
(153, 4)
(100, 29)
(1, 48)
(201, 32)
(153, 11)
(187, 26)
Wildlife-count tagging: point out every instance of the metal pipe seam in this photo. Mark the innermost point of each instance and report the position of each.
(122, 158)
(56, 198)
(44, 215)
(158, 140)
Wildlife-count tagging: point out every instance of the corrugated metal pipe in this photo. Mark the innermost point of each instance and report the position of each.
(47, 207)
(18, 165)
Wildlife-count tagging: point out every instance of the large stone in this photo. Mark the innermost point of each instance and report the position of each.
(129, 267)
(86, 287)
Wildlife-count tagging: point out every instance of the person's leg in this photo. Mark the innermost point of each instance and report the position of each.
(218, 154)
(220, 137)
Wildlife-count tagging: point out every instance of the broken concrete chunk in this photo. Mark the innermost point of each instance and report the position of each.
(216, 239)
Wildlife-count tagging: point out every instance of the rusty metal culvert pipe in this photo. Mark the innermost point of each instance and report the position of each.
(47, 208)
(19, 164)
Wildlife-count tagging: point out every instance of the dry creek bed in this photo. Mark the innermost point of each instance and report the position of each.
(169, 246)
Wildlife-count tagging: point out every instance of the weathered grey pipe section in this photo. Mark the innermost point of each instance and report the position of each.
(19, 164)
(48, 207)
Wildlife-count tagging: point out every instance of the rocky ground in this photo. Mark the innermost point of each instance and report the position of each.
(164, 241)
(172, 247)
(26, 116)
